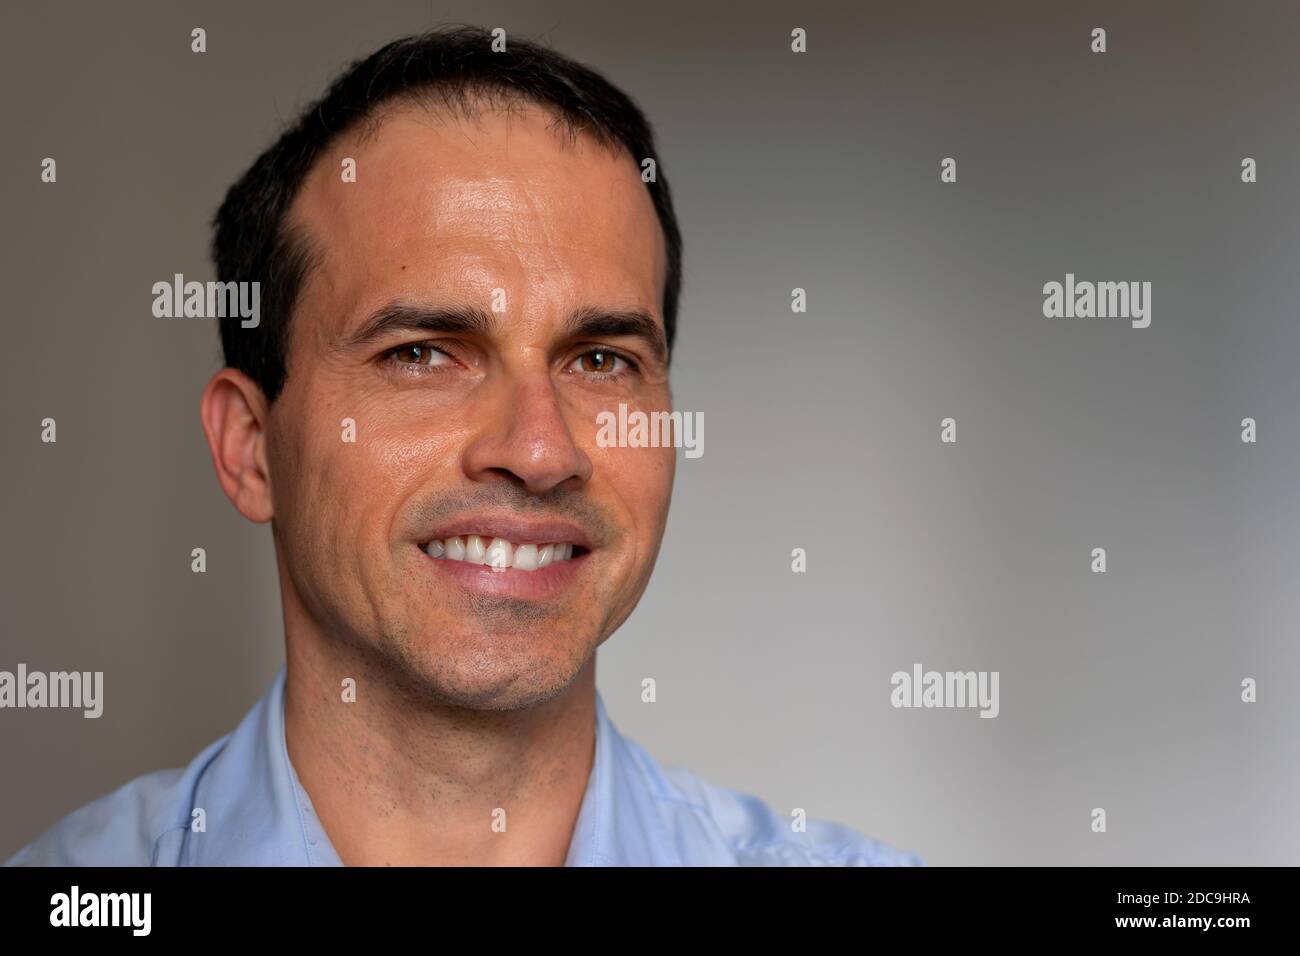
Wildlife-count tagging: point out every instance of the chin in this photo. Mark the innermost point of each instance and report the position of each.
(501, 692)
(493, 672)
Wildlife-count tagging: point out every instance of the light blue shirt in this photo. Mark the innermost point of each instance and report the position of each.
(256, 813)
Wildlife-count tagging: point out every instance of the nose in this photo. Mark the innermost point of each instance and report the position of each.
(525, 437)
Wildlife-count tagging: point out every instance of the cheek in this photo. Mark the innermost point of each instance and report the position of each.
(659, 483)
(333, 481)
(641, 479)
(322, 471)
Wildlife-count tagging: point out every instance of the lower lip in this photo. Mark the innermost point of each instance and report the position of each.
(541, 584)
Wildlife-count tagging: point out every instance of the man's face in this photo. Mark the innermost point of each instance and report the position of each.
(471, 425)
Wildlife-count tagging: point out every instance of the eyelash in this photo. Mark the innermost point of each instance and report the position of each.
(419, 368)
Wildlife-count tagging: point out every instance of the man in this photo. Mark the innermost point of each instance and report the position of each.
(462, 264)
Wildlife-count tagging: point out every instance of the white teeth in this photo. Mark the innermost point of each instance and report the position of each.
(498, 553)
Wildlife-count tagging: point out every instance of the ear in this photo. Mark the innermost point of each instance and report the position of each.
(234, 414)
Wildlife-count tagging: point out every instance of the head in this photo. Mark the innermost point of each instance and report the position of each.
(438, 335)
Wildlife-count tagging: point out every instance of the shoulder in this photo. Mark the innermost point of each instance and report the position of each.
(749, 832)
(118, 829)
(122, 828)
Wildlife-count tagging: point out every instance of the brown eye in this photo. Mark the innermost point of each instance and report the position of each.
(598, 361)
(416, 355)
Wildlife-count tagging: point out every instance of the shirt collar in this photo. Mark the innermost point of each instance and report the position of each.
(619, 823)
(259, 814)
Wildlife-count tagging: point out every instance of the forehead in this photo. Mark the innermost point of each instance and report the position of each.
(448, 209)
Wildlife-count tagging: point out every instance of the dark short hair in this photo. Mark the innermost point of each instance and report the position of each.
(452, 67)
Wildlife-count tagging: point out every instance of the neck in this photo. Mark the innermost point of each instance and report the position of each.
(399, 780)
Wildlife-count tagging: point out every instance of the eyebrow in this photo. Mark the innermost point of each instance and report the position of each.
(608, 323)
(588, 321)
(463, 320)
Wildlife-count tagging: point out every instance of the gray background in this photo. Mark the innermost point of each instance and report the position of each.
(1118, 690)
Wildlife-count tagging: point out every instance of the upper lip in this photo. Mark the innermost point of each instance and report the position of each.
(514, 529)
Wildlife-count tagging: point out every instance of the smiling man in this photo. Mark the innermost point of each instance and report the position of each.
(461, 269)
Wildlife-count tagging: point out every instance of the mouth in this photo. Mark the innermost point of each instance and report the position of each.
(501, 554)
(510, 557)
